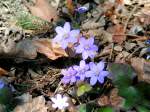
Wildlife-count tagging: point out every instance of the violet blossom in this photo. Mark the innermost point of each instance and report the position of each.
(65, 35)
(97, 72)
(69, 75)
(81, 9)
(60, 102)
(87, 48)
(81, 69)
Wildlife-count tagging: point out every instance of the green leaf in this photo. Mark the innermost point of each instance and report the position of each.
(5, 96)
(82, 108)
(105, 109)
(142, 109)
(122, 74)
(131, 95)
(83, 88)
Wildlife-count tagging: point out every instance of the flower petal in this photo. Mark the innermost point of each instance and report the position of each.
(85, 55)
(101, 79)
(64, 44)
(74, 33)
(79, 49)
(59, 30)
(67, 27)
(54, 105)
(89, 74)
(90, 41)
(57, 38)
(101, 65)
(93, 80)
(82, 63)
(104, 73)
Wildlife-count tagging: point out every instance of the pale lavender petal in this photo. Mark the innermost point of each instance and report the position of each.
(90, 41)
(54, 105)
(101, 65)
(93, 80)
(73, 79)
(65, 80)
(59, 96)
(89, 74)
(104, 73)
(79, 49)
(74, 33)
(59, 30)
(72, 39)
(82, 77)
(67, 27)
(92, 66)
(65, 98)
(101, 79)
(85, 55)
(53, 99)
(64, 44)
(82, 40)
(94, 48)
(57, 38)
(76, 67)
(82, 64)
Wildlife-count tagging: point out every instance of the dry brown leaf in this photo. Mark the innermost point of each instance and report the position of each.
(141, 67)
(99, 34)
(30, 104)
(118, 33)
(43, 10)
(51, 50)
(112, 100)
(3, 72)
(70, 6)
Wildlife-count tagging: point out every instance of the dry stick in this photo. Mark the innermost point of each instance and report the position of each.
(126, 24)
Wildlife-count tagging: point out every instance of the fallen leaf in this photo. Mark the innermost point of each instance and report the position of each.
(3, 72)
(51, 50)
(141, 67)
(30, 104)
(70, 6)
(113, 99)
(43, 10)
(118, 34)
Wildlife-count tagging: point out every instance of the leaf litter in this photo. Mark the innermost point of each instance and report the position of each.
(32, 63)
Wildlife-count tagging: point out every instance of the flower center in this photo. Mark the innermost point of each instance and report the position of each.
(66, 35)
(87, 47)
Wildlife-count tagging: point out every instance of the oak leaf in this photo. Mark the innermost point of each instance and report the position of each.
(51, 50)
(118, 34)
(43, 10)
(3, 72)
(141, 67)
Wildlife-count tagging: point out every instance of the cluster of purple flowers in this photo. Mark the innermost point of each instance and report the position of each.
(94, 71)
(66, 36)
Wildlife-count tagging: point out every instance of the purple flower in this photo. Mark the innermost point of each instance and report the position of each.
(2, 84)
(65, 35)
(81, 10)
(60, 102)
(87, 48)
(69, 76)
(81, 69)
(97, 72)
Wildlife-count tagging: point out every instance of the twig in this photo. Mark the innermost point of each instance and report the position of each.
(126, 24)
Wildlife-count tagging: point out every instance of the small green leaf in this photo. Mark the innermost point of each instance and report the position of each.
(122, 74)
(5, 96)
(82, 108)
(142, 109)
(105, 109)
(131, 95)
(83, 88)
